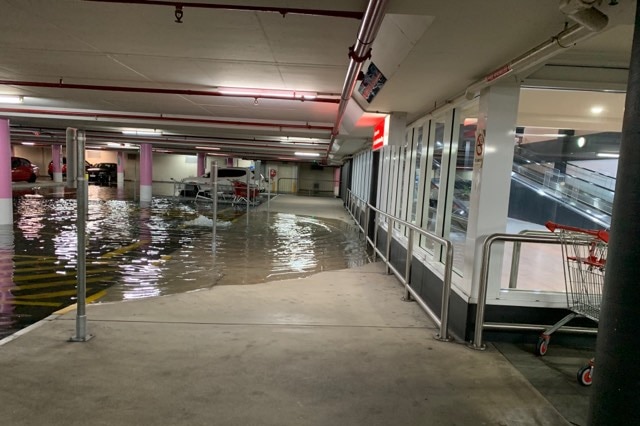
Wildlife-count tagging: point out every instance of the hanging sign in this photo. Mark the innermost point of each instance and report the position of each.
(372, 83)
(380, 135)
(479, 151)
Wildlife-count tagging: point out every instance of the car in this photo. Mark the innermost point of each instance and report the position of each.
(64, 167)
(103, 173)
(23, 170)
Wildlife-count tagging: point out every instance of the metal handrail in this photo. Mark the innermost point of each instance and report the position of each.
(443, 321)
(538, 237)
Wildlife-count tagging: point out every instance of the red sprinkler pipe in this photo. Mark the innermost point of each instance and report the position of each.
(281, 10)
(98, 115)
(156, 90)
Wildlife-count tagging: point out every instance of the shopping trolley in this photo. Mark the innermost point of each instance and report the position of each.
(584, 256)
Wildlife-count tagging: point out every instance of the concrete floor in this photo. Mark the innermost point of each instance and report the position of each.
(336, 348)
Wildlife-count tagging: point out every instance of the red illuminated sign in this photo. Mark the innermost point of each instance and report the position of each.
(379, 135)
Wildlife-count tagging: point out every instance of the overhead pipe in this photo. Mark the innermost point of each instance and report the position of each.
(180, 5)
(359, 52)
(161, 117)
(589, 20)
(156, 90)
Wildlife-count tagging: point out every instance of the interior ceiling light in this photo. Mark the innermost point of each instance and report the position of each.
(608, 155)
(28, 143)
(210, 148)
(581, 141)
(142, 132)
(307, 154)
(7, 99)
(121, 145)
(596, 109)
(272, 93)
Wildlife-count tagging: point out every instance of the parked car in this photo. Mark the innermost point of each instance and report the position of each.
(103, 173)
(23, 170)
(64, 167)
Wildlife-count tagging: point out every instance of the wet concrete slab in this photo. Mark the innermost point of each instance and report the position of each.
(338, 347)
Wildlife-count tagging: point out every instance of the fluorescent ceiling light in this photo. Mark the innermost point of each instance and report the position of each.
(142, 132)
(258, 93)
(6, 99)
(307, 154)
(608, 155)
(210, 148)
(545, 135)
(28, 143)
(121, 145)
(596, 109)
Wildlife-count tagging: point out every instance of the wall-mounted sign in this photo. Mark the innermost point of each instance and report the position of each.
(381, 134)
(373, 81)
(480, 140)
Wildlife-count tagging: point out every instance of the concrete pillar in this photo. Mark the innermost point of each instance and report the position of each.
(491, 180)
(146, 172)
(336, 182)
(6, 196)
(616, 381)
(120, 176)
(72, 141)
(56, 160)
(202, 159)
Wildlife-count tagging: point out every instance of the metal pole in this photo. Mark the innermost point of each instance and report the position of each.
(81, 222)
(71, 148)
(366, 219)
(388, 251)
(269, 192)
(407, 266)
(515, 265)
(443, 335)
(248, 190)
(375, 235)
(214, 203)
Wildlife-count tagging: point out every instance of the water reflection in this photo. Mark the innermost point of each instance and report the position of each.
(135, 252)
(7, 317)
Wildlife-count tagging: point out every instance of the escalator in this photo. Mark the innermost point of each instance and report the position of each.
(540, 191)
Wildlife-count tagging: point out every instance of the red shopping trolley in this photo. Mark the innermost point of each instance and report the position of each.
(242, 194)
(584, 256)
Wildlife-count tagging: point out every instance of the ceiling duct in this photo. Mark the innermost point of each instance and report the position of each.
(359, 52)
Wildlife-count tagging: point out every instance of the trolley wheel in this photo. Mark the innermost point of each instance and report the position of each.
(542, 346)
(584, 375)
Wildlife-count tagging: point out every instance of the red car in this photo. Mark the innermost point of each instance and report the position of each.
(64, 167)
(23, 170)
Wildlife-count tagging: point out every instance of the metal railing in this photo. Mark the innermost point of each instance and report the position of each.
(443, 321)
(480, 325)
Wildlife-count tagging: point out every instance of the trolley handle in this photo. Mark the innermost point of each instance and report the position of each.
(599, 233)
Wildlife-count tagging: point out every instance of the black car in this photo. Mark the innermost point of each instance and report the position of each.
(64, 167)
(103, 173)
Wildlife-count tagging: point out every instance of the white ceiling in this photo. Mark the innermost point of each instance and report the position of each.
(429, 51)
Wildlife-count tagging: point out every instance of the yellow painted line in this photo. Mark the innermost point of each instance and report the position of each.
(53, 266)
(122, 250)
(73, 307)
(49, 295)
(33, 256)
(166, 257)
(44, 262)
(28, 303)
(56, 283)
(21, 278)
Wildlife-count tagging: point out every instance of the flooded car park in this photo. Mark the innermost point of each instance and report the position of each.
(136, 251)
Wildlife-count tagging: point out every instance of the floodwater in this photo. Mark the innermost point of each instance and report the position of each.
(136, 251)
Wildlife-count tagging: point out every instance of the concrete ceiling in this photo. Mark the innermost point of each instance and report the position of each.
(429, 52)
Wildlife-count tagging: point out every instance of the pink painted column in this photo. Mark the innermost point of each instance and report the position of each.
(202, 161)
(120, 175)
(336, 181)
(146, 172)
(56, 161)
(6, 200)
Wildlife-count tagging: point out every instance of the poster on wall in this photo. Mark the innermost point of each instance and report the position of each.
(372, 83)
